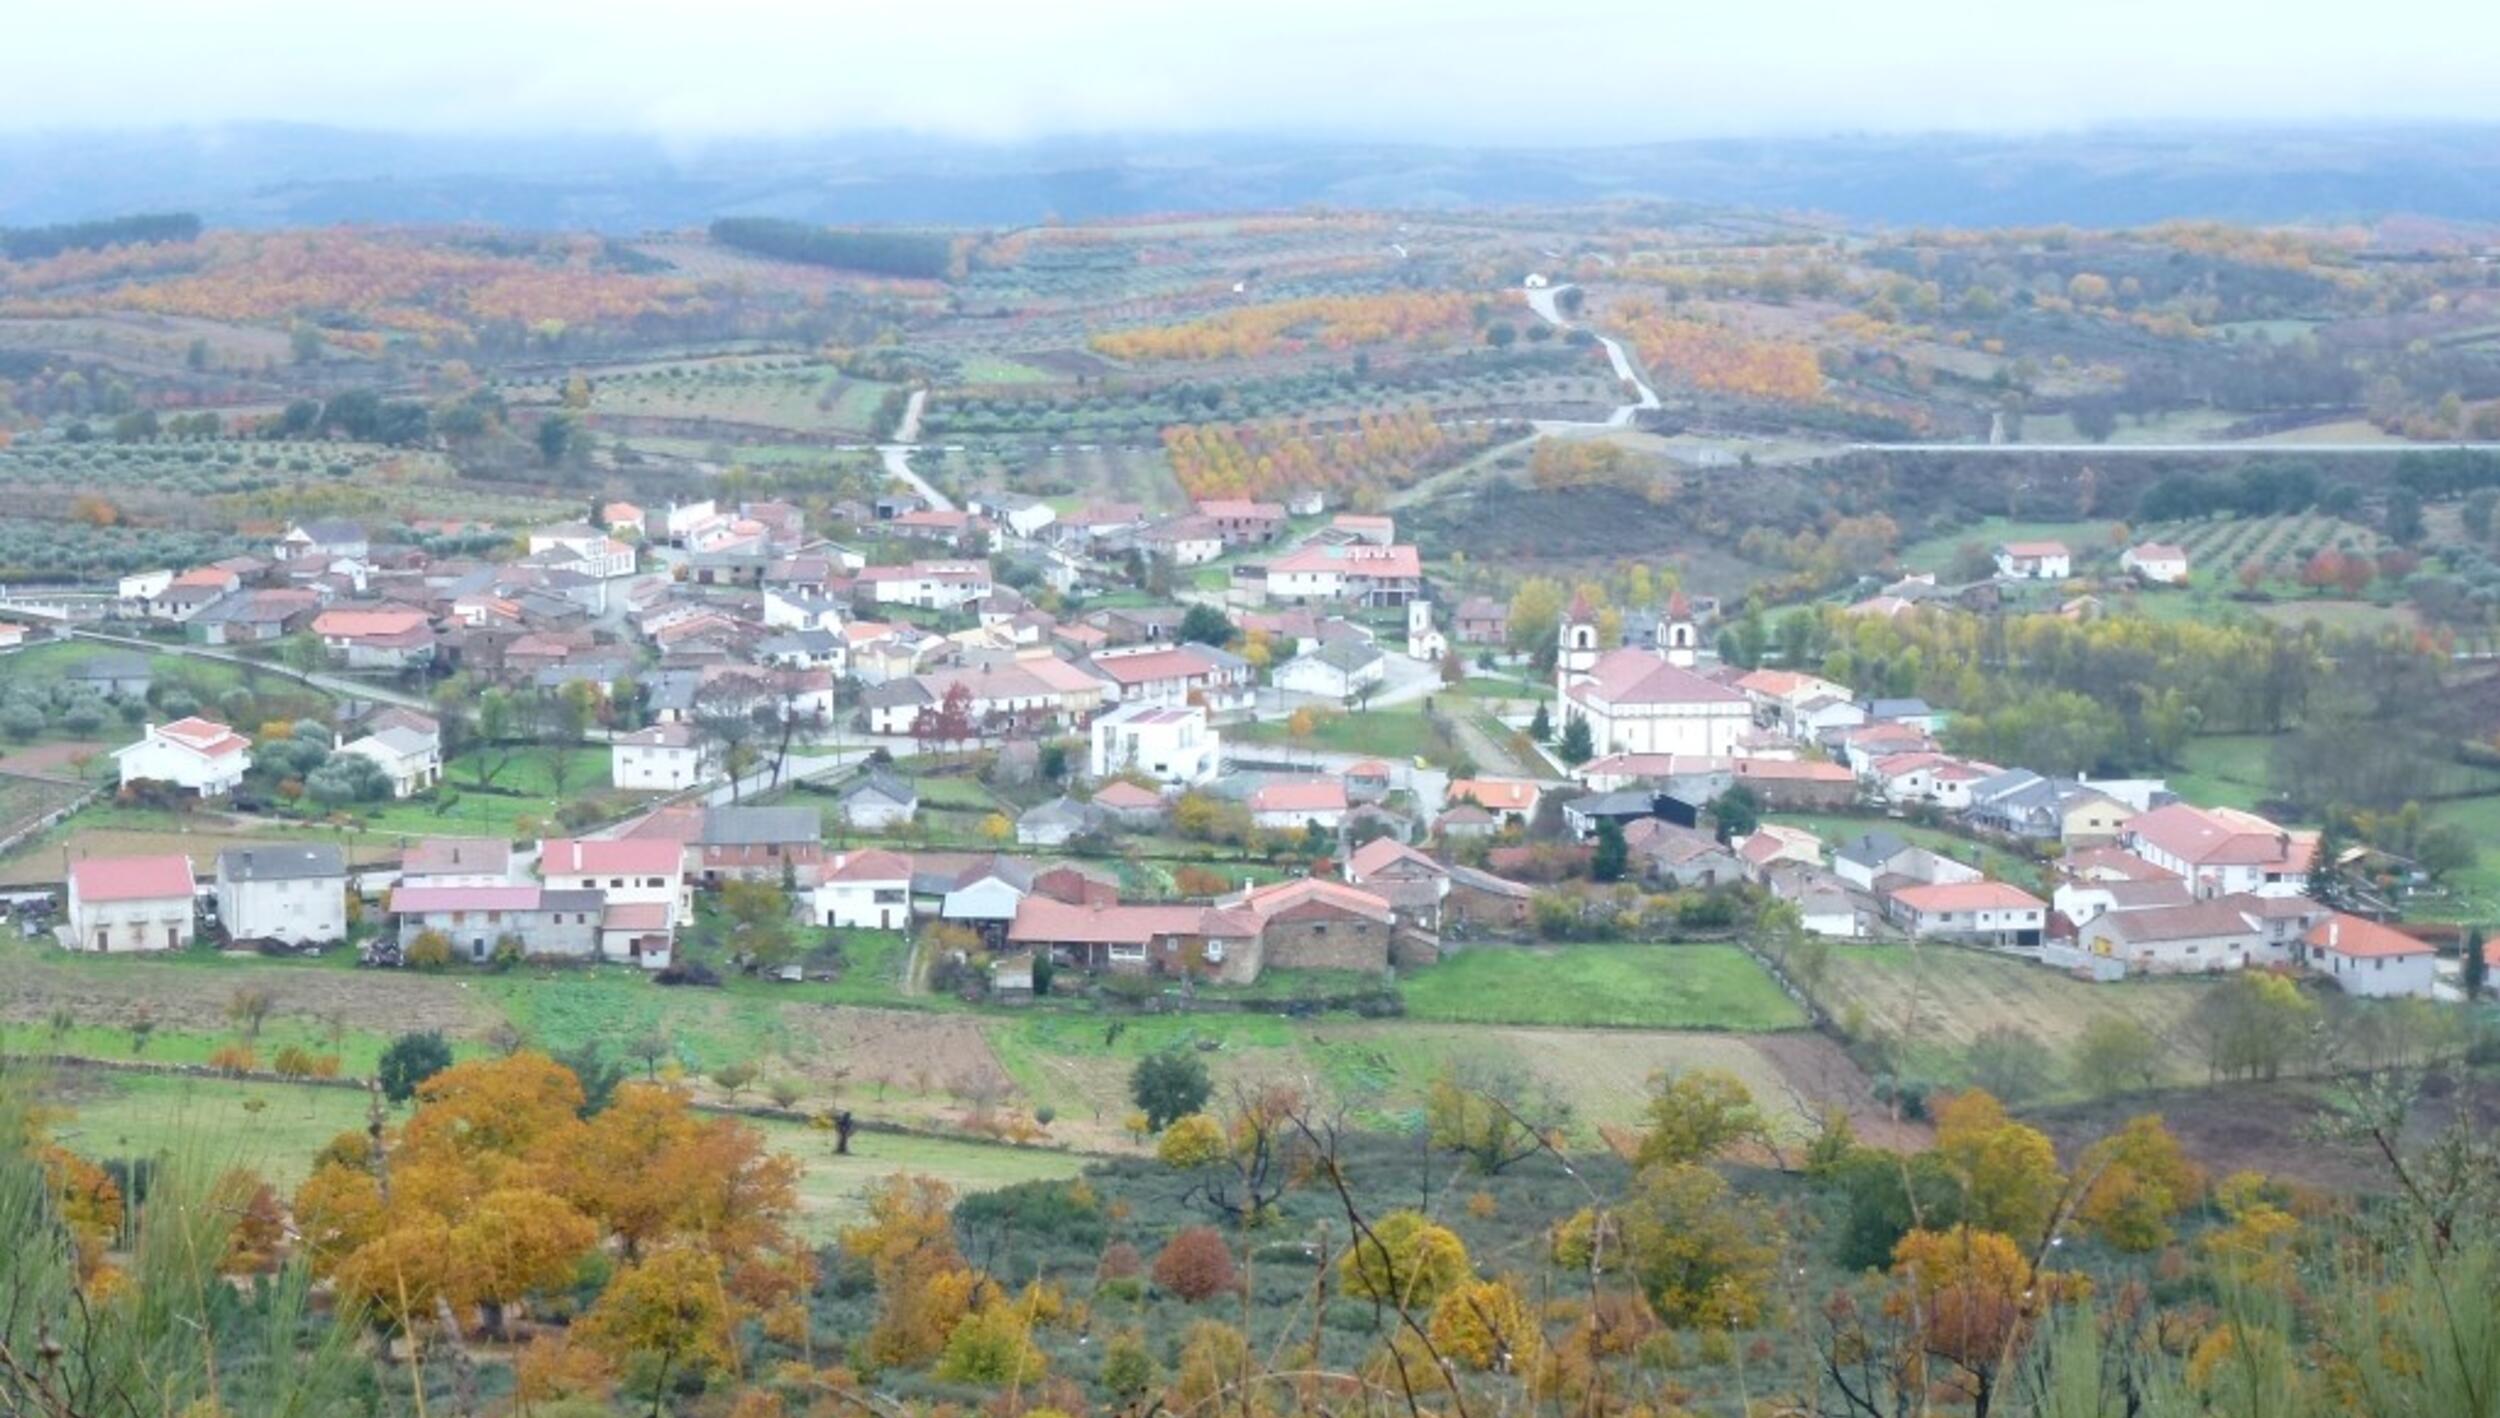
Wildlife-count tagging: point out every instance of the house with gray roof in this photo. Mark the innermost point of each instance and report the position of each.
(292, 892)
(1057, 822)
(879, 801)
(1338, 669)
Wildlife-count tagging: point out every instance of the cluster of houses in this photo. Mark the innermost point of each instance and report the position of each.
(625, 898)
(203, 758)
(2018, 562)
(2148, 884)
(704, 606)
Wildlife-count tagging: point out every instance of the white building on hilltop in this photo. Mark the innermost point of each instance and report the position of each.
(1645, 701)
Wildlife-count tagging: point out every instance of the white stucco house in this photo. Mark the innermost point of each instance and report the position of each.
(865, 890)
(2035, 561)
(295, 893)
(662, 758)
(1290, 804)
(406, 746)
(2368, 959)
(1336, 670)
(585, 548)
(2160, 563)
(880, 801)
(130, 903)
(197, 755)
(1171, 743)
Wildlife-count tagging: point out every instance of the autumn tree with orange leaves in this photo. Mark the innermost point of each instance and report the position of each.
(496, 1188)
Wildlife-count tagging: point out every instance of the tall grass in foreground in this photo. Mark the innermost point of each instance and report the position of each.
(146, 1323)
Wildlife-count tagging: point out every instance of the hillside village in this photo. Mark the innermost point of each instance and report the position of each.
(722, 654)
(1191, 776)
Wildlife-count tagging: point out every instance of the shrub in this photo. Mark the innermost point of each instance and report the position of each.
(1196, 1265)
(431, 950)
(1128, 1371)
(993, 1347)
(1120, 1261)
(1407, 1260)
(1169, 1086)
(409, 1061)
(1485, 1325)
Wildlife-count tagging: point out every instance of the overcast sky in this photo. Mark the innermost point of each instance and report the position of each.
(1530, 71)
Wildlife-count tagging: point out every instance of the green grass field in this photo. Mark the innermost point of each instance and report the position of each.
(1397, 732)
(2224, 770)
(1935, 999)
(997, 369)
(526, 787)
(2089, 541)
(1604, 986)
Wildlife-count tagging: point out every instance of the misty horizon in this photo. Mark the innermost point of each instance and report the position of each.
(1470, 74)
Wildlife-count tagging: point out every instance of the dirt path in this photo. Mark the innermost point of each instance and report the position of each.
(1490, 756)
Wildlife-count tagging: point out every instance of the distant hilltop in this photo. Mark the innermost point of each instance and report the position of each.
(280, 175)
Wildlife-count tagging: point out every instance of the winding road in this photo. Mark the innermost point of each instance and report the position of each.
(897, 455)
(1541, 300)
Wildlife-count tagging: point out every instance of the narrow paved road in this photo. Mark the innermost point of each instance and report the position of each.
(1492, 756)
(333, 684)
(1541, 300)
(897, 455)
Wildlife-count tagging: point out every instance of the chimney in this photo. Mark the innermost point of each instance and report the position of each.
(2334, 930)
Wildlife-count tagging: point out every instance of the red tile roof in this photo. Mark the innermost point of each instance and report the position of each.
(1396, 561)
(2114, 862)
(205, 737)
(1497, 794)
(1043, 921)
(1126, 796)
(2362, 940)
(131, 878)
(361, 625)
(1282, 896)
(1380, 853)
(869, 864)
(1179, 663)
(1640, 677)
(424, 900)
(628, 856)
(1782, 770)
(1968, 896)
(462, 856)
(1300, 795)
(2217, 837)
